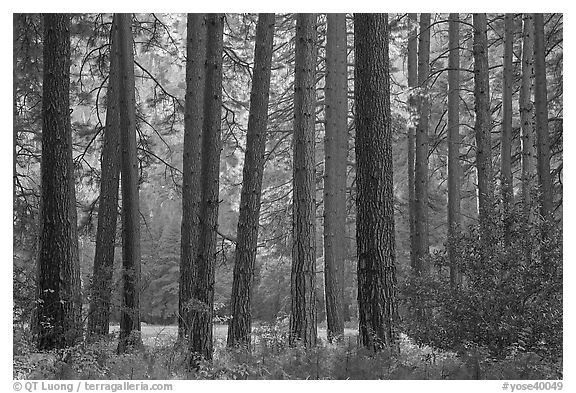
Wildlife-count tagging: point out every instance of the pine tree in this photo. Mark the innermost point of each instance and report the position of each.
(99, 315)
(422, 149)
(59, 305)
(413, 110)
(454, 140)
(203, 287)
(191, 193)
(377, 305)
(303, 276)
(482, 128)
(240, 326)
(506, 185)
(130, 312)
(336, 152)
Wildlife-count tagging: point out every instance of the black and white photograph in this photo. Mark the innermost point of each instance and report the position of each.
(287, 196)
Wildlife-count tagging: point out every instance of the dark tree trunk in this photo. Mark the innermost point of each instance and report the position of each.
(336, 152)
(506, 140)
(99, 316)
(202, 300)
(303, 276)
(240, 326)
(130, 312)
(377, 305)
(58, 322)
(422, 149)
(527, 130)
(454, 142)
(191, 192)
(482, 129)
(412, 107)
(541, 107)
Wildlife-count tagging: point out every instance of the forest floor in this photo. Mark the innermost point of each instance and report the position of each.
(153, 335)
(163, 358)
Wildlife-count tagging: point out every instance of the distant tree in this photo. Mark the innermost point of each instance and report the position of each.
(303, 276)
(454, 139)
(100, 296)
(506, 185)
(59, 305)
(130, 311)
(191, 163)
(527, 126)
(240, 326)
(482, 127)
(202, 300)
(336, 152)
(541, 108)
(421, 238)
(377, 305)
(412, 103)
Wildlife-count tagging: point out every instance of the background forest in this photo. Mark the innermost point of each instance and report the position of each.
(477, 281)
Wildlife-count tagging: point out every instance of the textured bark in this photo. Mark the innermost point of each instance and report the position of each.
(377, 306)
(527, 127)
(506, 138)
(191, 192)
(99, 316)
(130, 313)
(240, 326)
(412, 107)
(58, 322)
(454, 140)
(336, 152)
(303, 279)
(482, 128)
(203, 288)
(541, 108)
(422, 150)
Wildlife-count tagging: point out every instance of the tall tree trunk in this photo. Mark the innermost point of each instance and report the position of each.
(240, 326)
(422, 149)
(191, 161)
(527, 129)
(303, 275)
(506, 139)
(130, 313)
(541, 107)
(99, 316)
(412, 107)
(203, 287)
(482, 128)
(377, 305)
(454, 141)
(59, 304)
(336, 152)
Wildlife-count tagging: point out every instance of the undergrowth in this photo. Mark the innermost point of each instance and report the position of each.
(271, 358)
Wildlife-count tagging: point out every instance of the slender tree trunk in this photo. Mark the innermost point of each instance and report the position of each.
(412, 107)
(203, 287)
(303, 276)
(454, 142)
(527, 129)
(422, 149)
(240, 326)
(541, 107)
(336, 152)
(130, 313)
(506, 139)
(482, 128)
(191, 161)
(59, 304)
(377, 305)
(99, 316)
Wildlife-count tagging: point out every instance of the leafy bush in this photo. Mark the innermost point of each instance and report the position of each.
(509, 302)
